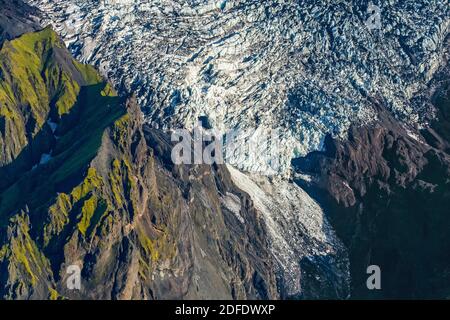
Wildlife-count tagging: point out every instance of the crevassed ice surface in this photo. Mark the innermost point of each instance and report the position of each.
(305, 68)
(298, 231)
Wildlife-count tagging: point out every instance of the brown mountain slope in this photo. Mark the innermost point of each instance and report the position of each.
(388, 195)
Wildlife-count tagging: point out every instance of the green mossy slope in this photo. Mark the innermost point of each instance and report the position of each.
(40, 84)
(38, 80)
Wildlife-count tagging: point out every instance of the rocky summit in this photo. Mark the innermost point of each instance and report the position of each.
(93, 206)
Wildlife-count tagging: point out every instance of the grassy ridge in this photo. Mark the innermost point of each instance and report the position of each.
(39, 81)
(37, 78)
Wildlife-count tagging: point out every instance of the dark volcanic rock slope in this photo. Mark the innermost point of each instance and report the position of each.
(388, 195)
(16, 18)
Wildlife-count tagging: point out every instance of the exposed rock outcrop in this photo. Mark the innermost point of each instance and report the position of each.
(16, 18)
(388, 196)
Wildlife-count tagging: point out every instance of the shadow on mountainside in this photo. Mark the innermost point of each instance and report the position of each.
(387, 194)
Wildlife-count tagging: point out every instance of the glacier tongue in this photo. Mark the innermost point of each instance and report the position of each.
(306, 68)
(298, 232)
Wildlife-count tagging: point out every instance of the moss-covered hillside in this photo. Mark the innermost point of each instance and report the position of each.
(39, 85)
(53, 114)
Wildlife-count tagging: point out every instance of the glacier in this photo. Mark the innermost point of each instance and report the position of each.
(304, 68)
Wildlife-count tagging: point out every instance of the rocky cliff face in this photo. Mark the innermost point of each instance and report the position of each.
(388, 194)
(16, 18)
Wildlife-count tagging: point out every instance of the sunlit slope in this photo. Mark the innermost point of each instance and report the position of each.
(39, 81)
